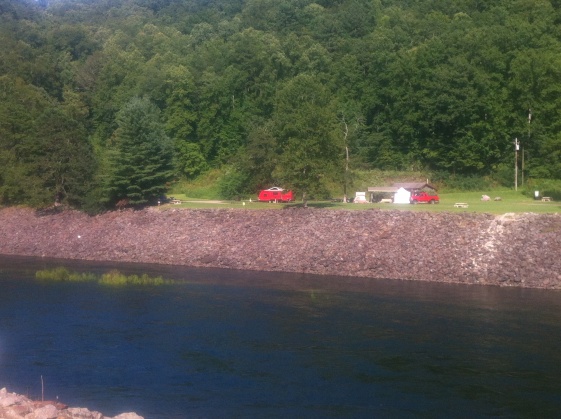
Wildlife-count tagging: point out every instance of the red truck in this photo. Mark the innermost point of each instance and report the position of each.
(275, 194)
(423, 197)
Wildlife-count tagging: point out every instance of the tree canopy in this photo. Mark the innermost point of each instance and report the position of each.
(114, 98)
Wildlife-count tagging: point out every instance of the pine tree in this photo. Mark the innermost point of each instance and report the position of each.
(140, 162)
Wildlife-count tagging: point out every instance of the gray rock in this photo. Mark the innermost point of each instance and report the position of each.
(46, 412)
(410, 245)
(128, 416)
(16, 406)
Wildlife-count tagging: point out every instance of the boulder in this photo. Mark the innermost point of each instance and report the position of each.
(16, 406)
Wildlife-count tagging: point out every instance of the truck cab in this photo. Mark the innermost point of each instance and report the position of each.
(423, 197)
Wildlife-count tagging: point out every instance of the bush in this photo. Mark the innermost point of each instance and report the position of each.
(62, 274)
(189, 159)
(546, 187)
(462, 182)
(113, 277)
(92, 203)
(201, 187)
(233, 184)
(504, 175)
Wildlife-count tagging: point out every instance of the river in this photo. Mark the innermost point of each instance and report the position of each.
(227, 343)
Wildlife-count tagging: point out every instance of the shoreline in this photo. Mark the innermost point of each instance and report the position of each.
(17, 406)
(519, 250)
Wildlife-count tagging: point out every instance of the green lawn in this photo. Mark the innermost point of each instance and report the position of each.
(511, 201)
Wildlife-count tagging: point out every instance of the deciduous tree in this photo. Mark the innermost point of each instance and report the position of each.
(306, 123)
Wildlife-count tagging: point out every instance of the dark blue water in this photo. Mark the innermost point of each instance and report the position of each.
(244, 344)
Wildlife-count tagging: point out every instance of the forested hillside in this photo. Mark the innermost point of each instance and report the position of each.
(110, 100)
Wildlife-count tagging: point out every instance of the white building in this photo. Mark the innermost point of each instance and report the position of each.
(401, 191)
(402, 196)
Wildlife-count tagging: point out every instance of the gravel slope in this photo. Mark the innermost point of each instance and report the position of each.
(508, 250)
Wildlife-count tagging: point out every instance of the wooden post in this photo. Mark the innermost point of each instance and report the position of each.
(516, 147)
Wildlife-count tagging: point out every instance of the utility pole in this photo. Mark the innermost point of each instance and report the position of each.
(529, 135)
(346, 135)
(522, 168)
(516, 148)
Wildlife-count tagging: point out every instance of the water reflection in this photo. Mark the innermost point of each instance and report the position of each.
(248, 344)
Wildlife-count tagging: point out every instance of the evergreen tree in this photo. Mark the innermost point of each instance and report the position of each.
(259, 85)
(140, 161)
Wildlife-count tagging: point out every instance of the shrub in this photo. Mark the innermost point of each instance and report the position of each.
(113, 277)
(503, 175)
(461, 182)
(233, 184)
(56, 274)
(202, 187)
(62, 274)
(546, 187)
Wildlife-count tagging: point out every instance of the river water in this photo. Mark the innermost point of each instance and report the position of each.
(225, 344)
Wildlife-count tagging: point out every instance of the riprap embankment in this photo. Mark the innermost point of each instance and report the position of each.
(508, 250)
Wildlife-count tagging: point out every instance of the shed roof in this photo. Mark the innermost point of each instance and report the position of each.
(390, 189)
(414, 185)
(410, 186)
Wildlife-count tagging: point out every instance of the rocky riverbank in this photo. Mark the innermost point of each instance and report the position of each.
(509, 250)
(16, 406)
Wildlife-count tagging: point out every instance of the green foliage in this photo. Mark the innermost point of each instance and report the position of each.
(279, 90)
(545, 187)
(116, 278)
(189, 160)
(66, 163)
(113, 277)
(306, 124)
(233, 184)
(62, 274)
(44, 153)
(461, 182)
(204, 186)
(179, 113)
(260, 157)
(503, 175)
(140, 163)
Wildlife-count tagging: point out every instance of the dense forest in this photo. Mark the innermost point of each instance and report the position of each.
(107, 101)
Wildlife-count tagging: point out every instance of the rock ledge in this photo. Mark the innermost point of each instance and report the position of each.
(16, 406)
